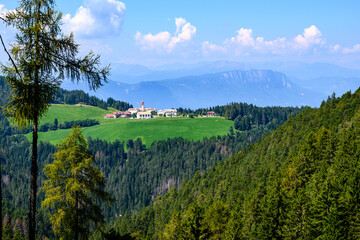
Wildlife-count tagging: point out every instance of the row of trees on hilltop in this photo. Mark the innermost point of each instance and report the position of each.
(63, 96)
(246, 116)
(299, 182)
(64, 125)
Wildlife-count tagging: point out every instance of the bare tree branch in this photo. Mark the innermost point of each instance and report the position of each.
(10, 58)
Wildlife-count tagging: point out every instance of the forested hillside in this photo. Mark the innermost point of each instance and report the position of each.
(135, 178)
(78, 96)
(299, 182)
(246, 116)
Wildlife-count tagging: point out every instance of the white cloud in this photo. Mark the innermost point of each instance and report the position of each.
(335, 48)
(354, 49)
(82, 23)
(163, 41)
(150, 41)
(179, 22)
(311, 36)
(276, 46)
(244, 37)
(244, 43)
(208, 47)
(97, 18)
(2, 9)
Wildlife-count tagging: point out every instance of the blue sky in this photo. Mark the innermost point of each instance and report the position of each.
(188, 31)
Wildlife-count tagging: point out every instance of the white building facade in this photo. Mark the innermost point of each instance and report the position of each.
(142, 108)
(143, 115)
(168, 112)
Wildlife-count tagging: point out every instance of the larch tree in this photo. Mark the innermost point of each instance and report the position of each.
(1, 219)
(39, 60)
(73, 188)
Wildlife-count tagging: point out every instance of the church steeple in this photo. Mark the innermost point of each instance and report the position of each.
(142, 107)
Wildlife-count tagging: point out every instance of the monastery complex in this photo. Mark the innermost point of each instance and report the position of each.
(143, 113)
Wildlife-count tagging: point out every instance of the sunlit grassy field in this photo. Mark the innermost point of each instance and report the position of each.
(148, 130)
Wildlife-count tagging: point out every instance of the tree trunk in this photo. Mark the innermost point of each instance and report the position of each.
(1, 220)
(34, 167)
(33, 189)
(76, 217)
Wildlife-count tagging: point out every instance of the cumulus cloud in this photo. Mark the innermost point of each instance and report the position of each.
(335, 48)
(7, 31)
(82, 23)
(276, 46)
(164, 41)
(149, 41)
(244, 37)
(208, 47)
(354, 49)
(244, 43)
(97, 18)
(2, 9)
(311, 36)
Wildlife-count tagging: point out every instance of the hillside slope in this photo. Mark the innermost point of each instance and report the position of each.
(299, 182)
(149, 130)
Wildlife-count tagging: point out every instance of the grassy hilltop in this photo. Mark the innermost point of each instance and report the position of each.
(148, 130)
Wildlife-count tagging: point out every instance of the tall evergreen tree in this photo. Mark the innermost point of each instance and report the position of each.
(73, 186)
(1, 225)
(40, 59)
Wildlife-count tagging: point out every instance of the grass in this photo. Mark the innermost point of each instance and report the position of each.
(148, 130)
(74, 112)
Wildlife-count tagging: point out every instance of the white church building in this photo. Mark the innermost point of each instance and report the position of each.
(142, 112)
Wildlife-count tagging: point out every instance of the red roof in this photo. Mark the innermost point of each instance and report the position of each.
(210, 112)
(122, 113)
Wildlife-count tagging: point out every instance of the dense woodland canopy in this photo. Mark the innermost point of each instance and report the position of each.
(247, 115)
(299, 182)
(63, 96)
(136, 177)
(279, 173)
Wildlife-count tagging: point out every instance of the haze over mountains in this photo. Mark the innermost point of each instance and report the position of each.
(215, 83)
(304, 71)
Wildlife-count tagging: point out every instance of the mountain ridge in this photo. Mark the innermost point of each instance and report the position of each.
(134, 73)
(260, 87)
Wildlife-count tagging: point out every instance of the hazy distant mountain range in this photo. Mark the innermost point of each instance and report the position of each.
(218, 83)
(304, 71)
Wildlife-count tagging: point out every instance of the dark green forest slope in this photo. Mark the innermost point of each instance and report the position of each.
(135, 178)
(245, 116)
(63, 96)
(302, 181)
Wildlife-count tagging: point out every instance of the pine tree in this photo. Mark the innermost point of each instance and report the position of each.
(73, 189)
(39, 60)
(191, 223)
(215, 220)
(173, 230)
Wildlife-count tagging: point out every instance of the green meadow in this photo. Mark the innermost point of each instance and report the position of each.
(74, 112)
(148, 130)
